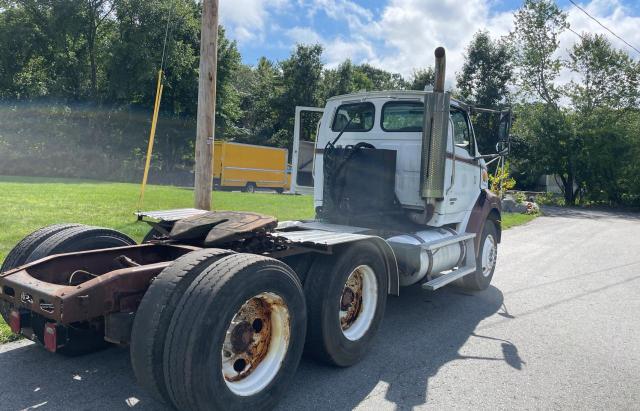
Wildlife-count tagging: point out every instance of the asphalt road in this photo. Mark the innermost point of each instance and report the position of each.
(559, 329)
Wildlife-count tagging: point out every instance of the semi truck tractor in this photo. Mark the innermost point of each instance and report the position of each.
(218, 307)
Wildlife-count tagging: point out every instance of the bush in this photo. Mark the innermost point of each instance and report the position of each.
(550, 199)
(520, 197)
(501, 181)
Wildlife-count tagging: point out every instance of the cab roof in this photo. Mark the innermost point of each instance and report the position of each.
(390, 95)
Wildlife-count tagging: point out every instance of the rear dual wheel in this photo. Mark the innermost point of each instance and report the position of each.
(154, 314)
(20, 253)
(60, 239)
(346, 298)
(234, 339)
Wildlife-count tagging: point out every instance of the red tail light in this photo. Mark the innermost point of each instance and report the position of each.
(14, 322)
(50, 337)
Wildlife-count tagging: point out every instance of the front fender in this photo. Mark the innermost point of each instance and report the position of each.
(488, 207)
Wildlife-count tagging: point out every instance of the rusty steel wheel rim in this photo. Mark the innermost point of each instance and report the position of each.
(358, 302)
(255, 344)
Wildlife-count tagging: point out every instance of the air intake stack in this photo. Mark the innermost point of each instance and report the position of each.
(434, 135)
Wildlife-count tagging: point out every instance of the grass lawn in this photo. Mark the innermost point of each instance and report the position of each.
(513, 219)
(31, 203)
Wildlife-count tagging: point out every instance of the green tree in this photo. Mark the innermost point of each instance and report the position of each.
(96, 14)
(538, 25)
(378, 79)
(301, 75)
(487, 71)
(338, 81)
(609, 78)
(52, 43)
(228, 110)
(603, 99)
(484, 80)
(422, 78)
(265, 91)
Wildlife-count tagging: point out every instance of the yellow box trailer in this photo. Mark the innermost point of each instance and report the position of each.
(248, 167)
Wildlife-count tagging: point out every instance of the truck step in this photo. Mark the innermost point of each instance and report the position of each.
(443, 280)
(468, 266)
(448, 241)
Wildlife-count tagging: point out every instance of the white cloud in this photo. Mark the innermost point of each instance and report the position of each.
(405, 34)
(611, 13)
(411, 30)
(304, 35)
(247, 20)
(402, 36)
(347, 10)
(336, 50)
(356, 49)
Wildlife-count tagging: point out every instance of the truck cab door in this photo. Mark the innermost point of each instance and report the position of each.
(304, 146)
(463, 170)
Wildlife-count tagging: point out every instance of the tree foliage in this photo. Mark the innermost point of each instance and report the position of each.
(538, 25)
(484, 80)
(77, 85)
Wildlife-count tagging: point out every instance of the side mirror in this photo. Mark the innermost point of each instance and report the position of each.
(503, 148)
(505, 127)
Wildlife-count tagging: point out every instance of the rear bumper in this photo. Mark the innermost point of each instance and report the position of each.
(42, 287)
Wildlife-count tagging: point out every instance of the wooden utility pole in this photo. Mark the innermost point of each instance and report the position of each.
(206, 105)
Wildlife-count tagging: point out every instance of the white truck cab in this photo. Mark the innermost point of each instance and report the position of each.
(394, 120)
(405, 166)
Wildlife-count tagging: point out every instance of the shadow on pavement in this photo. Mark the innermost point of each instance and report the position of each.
(421, 333)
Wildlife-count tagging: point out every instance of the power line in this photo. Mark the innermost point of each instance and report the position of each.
(576, 33)
(603, 26)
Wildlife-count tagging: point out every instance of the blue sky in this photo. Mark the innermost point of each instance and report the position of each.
(398, 35)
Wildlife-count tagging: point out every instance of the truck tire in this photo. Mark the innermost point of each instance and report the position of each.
(154, 316)
(485, 260)
(227, 345)
(81, 238)
(81, 338)
(250, 188)
(346, 298)
(19, 254)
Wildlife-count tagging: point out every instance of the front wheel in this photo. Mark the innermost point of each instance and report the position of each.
(346, 297)
(485, 260)
(236, 338)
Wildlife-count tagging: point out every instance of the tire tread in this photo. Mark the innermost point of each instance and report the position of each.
(21, 252)
(190, 314)
(154, 316)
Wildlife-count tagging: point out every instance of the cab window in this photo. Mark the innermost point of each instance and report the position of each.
(461, 131)
(402, 116)
(355, 117)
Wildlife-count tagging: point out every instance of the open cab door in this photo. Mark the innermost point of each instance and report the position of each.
(307, 124)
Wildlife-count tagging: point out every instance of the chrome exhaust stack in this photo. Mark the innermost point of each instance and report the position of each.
(434, 138)
(441, 70)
